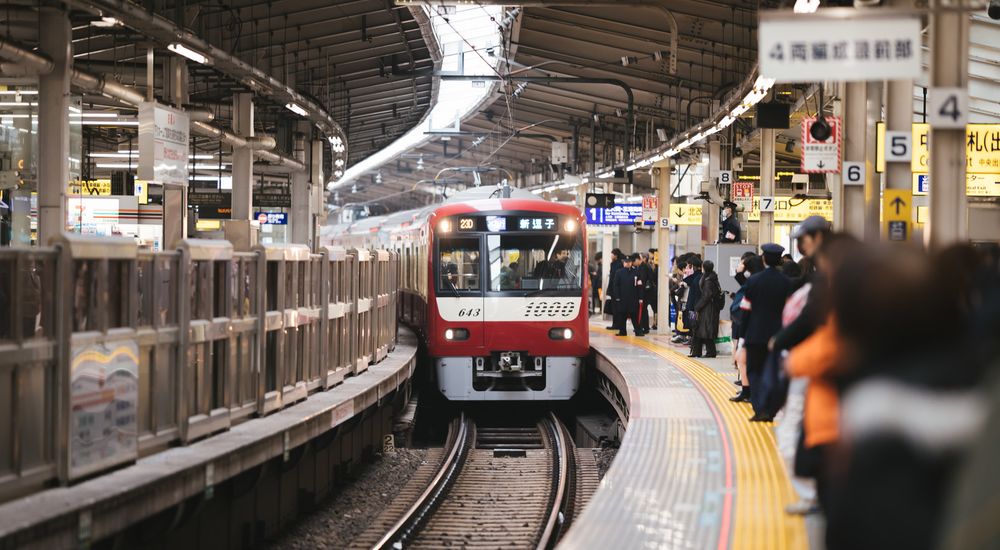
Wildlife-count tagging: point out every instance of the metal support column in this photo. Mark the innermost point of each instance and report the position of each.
(949, 68)
(850, 212)
(710, 212)
(301, 217)
(899, 118)
(53, 124)
(765, 228)
(317, 188)
(873, 180)
(662, 181)
(242, 158)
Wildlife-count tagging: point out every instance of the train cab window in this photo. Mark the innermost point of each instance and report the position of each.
(458, 259)
(534, 262)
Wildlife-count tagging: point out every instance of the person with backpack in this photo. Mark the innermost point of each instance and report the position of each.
(706, 326)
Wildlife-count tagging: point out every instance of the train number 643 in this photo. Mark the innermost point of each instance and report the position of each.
(470, 312)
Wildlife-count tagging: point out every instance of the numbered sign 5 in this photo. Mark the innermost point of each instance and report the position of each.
(767, 204)
(898, 146)
(947, 108)
(725, 177)
(854, 173)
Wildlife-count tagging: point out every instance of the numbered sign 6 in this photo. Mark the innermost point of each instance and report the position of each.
(947, 108)
(854, 173)
(898, 146)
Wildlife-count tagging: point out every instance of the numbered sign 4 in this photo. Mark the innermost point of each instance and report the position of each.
(854, 173)
(947, 108)
(898, 146)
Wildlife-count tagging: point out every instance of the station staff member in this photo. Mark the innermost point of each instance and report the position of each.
(730, 230)
(763, 302)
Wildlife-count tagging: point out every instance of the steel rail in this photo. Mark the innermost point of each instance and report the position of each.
(561, 498)
(410, 523)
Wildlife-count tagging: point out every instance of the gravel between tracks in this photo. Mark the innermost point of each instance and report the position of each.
(340, 519)
(604, 457)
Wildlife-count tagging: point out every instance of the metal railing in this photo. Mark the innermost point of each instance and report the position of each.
(108, 353)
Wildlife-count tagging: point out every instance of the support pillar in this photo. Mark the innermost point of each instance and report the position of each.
(710, 212)
(662, 182)
(765, 228)
(899, 118)
(53, 124)
(175, 209)
(317, 188)
(850, 212)
(949, 68)
(242, 158)
(873, 180)
(301, 217)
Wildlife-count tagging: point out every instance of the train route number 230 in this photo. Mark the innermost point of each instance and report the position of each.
(470, 312)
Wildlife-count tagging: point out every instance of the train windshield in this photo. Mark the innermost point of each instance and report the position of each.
(535, 262)
(459, 264)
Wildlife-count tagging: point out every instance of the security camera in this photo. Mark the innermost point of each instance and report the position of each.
(737, 152)
(820, 130)
(994, 9)
(654, 171)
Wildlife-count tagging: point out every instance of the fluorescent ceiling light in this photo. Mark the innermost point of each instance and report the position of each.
(181, 49)
(105, 22)
(296, 109)
(105, 122)
(805, 6)
(18, 92)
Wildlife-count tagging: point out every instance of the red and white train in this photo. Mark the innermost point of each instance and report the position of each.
(496, 286)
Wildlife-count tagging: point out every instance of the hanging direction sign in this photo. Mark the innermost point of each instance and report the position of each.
(838, 44)
(685, 214)
(163, 144)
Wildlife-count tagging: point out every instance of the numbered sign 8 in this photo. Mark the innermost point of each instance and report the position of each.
(725, 177)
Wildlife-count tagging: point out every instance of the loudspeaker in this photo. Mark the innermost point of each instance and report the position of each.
(773, 115)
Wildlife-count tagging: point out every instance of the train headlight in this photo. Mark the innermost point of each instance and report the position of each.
(561, 333)
(445, 226)
(456, 334)
(569, 226)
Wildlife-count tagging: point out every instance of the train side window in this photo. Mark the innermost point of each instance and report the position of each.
(458, 259)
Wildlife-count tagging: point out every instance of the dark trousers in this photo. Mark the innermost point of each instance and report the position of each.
(707, 343)
(621, 316)
(644, 316)
(756, 357)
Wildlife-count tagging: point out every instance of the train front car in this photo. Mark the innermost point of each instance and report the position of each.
(507, 299)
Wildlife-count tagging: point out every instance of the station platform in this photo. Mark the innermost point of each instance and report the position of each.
(691, 471)
(298, 437)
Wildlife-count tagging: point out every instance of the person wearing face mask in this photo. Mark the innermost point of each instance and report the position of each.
(730, 231)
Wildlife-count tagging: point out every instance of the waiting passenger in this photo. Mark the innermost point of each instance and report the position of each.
(706, 327)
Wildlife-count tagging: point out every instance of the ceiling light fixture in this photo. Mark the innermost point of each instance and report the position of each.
(181, 49)
(296, 109)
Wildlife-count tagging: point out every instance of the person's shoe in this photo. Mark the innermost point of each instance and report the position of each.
(654, 327)
(761, 417)
(743, 396)
(640, 334)
(738, 382)
(677, 339)
(694, 355)
(611, 327)
(802, 508)
(711, 356)
(622, 333)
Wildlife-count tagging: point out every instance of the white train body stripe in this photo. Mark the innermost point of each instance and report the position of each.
(509, 308)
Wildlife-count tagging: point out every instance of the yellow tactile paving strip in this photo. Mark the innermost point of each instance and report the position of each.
(762, 486)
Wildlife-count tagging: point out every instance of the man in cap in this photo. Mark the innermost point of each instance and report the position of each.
(627, 289)
(763, 301)
(730, 230)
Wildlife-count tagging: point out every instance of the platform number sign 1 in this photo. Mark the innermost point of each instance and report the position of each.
(898, 146)
(725, 177)
(947, 108)
(854, 173)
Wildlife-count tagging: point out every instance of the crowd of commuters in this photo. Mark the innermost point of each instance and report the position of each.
(631, 292)
(872, 360)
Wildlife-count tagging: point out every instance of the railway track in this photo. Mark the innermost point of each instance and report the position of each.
(494, 486)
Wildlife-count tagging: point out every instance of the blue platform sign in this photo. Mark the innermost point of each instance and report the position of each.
(923, 183)
(620, 214)
(271, 218)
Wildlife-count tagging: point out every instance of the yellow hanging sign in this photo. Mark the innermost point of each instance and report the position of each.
(100, 187)
(789, 210)
(982, 148)
(684, 214)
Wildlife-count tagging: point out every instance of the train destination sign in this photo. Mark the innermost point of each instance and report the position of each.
(500, 224)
